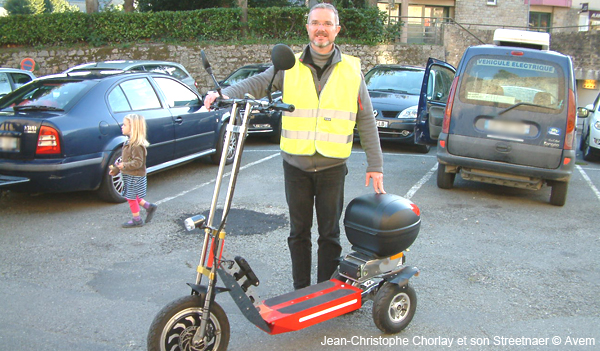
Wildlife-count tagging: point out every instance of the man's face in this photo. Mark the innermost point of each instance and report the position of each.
(322, 29)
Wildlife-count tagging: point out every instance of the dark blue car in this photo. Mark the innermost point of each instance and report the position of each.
(61, 132)
(394, 91)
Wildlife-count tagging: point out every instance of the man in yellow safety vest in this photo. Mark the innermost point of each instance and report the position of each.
(329, 93)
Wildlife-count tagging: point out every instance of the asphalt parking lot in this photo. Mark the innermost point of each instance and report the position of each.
(501, 269)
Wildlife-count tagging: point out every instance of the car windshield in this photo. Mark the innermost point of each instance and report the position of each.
(242, 74)
(511, 83)
(45, 95)
(397, 80)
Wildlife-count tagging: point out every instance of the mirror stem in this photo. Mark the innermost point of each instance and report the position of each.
(271, 86)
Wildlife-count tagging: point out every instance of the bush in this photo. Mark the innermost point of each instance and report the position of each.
(216, 24)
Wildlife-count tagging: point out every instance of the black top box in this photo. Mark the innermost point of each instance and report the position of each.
(381, 224)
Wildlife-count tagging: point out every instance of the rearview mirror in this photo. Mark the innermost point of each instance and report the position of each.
(282, 57)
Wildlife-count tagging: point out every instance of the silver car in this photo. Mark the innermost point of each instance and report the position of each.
(12, 78)
(173, 69)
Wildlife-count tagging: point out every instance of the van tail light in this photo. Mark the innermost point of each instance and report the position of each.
(571, 121)
(48, 141)
(449, 103)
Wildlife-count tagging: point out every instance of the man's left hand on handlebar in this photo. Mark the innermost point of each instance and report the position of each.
(210, 98)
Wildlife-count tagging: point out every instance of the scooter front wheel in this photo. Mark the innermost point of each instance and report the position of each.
(394, 307)
(174, 326)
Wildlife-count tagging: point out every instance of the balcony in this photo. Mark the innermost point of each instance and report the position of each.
(557, 3)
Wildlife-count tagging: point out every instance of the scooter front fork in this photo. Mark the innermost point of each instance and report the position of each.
(214, 258)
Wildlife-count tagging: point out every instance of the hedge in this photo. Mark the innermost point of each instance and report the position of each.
(218, 24)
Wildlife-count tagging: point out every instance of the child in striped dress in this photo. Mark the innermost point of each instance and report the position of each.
(133, 167)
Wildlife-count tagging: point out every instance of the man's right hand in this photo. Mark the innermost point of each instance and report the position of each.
(210, 98)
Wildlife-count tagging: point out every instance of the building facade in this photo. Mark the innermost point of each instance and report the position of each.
(424, 22)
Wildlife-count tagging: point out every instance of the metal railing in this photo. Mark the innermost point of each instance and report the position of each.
(429, 30)
(421, 30)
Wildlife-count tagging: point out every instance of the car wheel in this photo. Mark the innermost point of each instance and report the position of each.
(558, 195)
(233, 141)
(444, 180)
(588, 152)
(111, 188)
(276, 137)
(423, 149)
(582, 141)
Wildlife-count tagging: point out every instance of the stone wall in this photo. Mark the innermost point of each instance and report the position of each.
(582, 46)
(224, 59)
(505, 12)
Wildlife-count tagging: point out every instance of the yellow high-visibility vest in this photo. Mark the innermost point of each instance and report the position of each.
(322, 124)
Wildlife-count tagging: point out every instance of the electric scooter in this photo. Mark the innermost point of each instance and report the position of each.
(380, 228)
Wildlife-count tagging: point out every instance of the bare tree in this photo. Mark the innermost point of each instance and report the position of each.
(128, 5)
(91, 6)
(243, 4)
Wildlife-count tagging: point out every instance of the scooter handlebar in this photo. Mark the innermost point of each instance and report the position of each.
(277, 105)
(280, 106)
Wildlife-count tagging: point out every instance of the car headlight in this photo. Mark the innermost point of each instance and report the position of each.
(597, 125)
(409, 113)
(375, 113)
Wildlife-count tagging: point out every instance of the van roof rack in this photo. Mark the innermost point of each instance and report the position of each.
(522, 39)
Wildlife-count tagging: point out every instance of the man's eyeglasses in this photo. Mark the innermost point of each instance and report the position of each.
(319, 24)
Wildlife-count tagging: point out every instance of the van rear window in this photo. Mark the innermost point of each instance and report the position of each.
(506, 81)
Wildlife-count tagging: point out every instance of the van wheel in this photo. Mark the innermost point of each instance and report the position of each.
(111, 188)
(444, 180)
(558, 195)
(588, 152)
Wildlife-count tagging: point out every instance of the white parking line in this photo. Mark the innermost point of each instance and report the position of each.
(420, 183)
(214, 180)
(408, 195)
(589, 181)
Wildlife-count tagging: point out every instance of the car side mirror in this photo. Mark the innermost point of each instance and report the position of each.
(582, 112)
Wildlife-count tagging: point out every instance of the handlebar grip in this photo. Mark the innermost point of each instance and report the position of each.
(280, 106)
(221, 103)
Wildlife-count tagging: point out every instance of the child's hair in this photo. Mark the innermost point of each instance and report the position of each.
(138, 130)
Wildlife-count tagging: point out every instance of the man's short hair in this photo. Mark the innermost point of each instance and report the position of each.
(327, 6)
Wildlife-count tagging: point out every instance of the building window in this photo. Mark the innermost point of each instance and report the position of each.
(491, 2)
(540, 21)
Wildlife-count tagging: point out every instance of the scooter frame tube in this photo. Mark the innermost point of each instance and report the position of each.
(217, 189)
(201, 331)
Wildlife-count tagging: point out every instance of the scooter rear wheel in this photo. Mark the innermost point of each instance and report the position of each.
(394, 307)
(175, 325)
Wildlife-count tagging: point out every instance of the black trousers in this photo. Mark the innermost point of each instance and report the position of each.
(323, 190)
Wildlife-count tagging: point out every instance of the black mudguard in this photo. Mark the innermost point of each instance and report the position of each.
(401, 278)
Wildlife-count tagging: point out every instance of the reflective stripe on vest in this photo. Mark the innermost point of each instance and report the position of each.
(326, 123)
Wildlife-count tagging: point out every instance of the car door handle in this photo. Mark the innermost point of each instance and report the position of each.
(178, 120)
(504, 148)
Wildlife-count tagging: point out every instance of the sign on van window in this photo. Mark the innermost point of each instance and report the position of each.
(516, 64)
